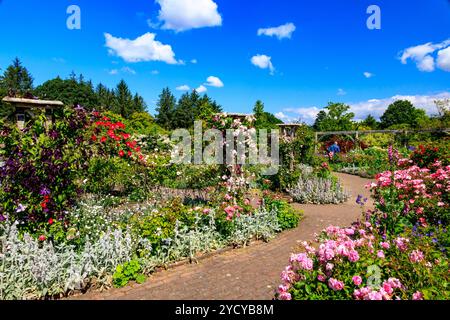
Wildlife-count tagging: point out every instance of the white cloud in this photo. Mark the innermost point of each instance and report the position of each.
(143, 48)
(341, 92)
(184, 87)
(307, 114)
(181, 15)
(153, 25)
(201, 89)
(214, 82)
(375, 107)
(122, 70)
(423, 55)
(283, 31)
(368, 75)
(443, 59)
(154, 72)
(281, 115)
(194, 61)
(264, 62)
(128, 70)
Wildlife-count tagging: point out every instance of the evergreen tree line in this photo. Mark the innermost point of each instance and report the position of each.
(181, 113)
(16, 81)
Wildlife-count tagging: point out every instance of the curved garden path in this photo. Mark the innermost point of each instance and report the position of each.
(251, 273)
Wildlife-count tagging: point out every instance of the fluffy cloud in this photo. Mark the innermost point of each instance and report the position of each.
(443, 59)
(214, 82)
(424, 56)
(181, 15)
(154, 72)
(143, 48)
(283, 31)
(183, 88)
(368, 75)
(194, 61)
(201, 89)
(264, 62)
(375, 107)
(113, 72)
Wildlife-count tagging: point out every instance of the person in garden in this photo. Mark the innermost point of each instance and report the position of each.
(333, 149)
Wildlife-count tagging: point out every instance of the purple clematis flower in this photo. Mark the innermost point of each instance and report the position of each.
(20, 208)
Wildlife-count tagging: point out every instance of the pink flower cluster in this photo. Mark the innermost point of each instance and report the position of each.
(416, 256)
(419, 188)
(232, 211)
(384, 293)
(338, 247)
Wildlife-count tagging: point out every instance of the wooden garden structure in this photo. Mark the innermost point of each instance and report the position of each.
(24, 109)
(355, 134)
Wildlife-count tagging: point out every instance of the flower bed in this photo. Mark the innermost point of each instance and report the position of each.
(108, 247)
(356, 263)
(400, 252)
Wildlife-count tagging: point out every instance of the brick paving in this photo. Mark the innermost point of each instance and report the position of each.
(250, 273)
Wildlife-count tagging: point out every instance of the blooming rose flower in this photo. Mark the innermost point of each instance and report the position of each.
(416, 256)
(418, 295)
(357, 280)
(353, 256)
(321, 278)
(336, 285)
(385, 245)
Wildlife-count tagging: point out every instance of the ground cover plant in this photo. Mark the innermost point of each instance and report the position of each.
(318, 187)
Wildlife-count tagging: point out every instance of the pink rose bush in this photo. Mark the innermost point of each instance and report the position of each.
(358, 263)
(410, 196)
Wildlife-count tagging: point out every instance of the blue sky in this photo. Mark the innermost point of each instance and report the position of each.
(323, 60)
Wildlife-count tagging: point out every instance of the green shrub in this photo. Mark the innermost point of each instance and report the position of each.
(288, 217)
(129, 271)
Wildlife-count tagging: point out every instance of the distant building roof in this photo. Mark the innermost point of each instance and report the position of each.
(31, 102)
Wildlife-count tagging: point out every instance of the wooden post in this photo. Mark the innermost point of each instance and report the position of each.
(316, 140)
(357, 139)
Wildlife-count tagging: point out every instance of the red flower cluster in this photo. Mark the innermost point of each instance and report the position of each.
(115, 132)
(45, 202)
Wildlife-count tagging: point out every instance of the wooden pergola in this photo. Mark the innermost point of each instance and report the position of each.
(357, 133)
(23, 108)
